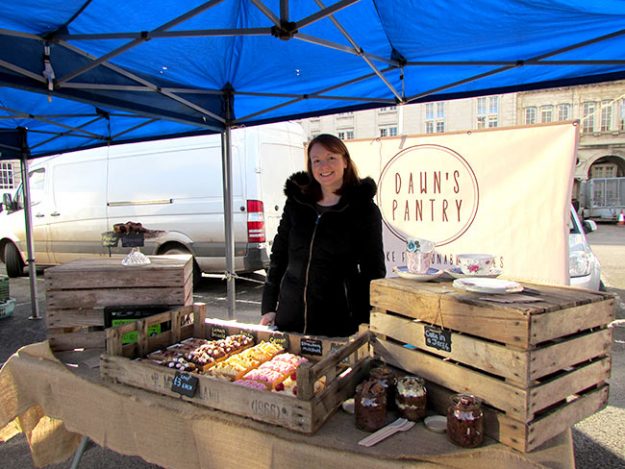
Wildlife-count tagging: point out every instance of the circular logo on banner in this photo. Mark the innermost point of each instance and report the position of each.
(430, 192)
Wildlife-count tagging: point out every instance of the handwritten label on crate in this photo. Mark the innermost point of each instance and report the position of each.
(280, 339)
(311, 346)
(438, 338)
(218, 333)
(249, 334)
(185, 384)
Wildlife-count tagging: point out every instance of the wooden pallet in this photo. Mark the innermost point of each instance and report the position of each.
(539, 366)
(78, 292)
(344, 364)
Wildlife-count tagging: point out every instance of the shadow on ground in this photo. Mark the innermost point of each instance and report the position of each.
(589, 454)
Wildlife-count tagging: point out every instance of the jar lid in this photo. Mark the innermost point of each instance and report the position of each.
(466, 400)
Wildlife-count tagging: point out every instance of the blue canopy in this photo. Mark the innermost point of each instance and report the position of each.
(82, 73)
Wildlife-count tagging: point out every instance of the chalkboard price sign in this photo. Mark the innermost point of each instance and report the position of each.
(438, 338)
(311, 346)
(280, 339)
(133, 240)
(184, 384)
(218, 333)
(249, 334)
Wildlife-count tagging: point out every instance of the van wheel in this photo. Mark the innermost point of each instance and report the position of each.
(13, 261)
(197, 273)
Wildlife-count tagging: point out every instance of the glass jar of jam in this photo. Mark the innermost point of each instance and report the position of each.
(370, 405)
(465, 421)
(411, 397)
(387, 377)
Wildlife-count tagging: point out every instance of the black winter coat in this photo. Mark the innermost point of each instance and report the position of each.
(322, 263)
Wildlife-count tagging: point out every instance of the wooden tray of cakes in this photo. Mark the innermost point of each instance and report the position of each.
(290, 380)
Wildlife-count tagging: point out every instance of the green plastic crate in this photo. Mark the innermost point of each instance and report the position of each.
(4, 288)
(6, 308)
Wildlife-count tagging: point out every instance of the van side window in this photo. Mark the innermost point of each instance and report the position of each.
(37, 179)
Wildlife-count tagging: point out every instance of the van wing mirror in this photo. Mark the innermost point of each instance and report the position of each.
(7, 202)
(589, 226)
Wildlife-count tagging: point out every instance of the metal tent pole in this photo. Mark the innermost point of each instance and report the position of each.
(226, 160)
(28, 216)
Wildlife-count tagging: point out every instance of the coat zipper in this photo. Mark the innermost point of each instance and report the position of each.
(310, 250)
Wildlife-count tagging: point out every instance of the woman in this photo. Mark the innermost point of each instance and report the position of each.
(328, 247)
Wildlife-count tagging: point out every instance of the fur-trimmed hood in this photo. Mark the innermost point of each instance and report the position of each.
(295, 184)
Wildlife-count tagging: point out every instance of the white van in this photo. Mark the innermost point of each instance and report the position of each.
(174, 186)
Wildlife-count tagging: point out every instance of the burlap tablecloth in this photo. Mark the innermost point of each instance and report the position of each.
(55, 403)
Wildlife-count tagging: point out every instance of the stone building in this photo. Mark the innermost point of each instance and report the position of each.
(600, 108)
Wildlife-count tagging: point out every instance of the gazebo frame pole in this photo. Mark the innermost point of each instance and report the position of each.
(28, 219)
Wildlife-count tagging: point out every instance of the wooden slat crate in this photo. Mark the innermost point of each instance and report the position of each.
(78, 292)
(540, 366)
(343, 363)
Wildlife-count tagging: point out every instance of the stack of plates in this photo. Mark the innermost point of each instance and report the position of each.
(487, 285)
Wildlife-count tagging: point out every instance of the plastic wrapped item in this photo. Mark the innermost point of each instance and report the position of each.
(388, 379)
(411, 397)
(135, 257)
(465, 421)
(370, 405)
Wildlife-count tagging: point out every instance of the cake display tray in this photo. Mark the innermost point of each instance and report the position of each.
(342, 362)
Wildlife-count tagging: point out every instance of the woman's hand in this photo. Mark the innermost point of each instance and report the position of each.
(268, 319)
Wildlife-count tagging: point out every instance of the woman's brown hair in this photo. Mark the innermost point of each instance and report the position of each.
(335, 145)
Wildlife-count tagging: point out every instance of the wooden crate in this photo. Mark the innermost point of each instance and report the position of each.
(539, 366)
(78, 292)
(343, 363)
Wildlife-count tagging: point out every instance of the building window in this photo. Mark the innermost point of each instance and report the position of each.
(6, 176)
(390, 131)
(434, 118)
(606, 116)
(588, 119)
(564, 112)
(387, 109)
(530, 115)
(487, 112)
(607, 170)
(346, 134)
(621, 114)
(546, 114)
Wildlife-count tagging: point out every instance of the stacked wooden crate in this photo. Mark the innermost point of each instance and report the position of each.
(539, 364)
(78, 292)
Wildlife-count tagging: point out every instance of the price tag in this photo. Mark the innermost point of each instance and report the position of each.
(218, 333)
(437, 338)
(133, 240)
(184, 384)
(110, 239)
(280, 339)
(249, 334)
(311, 347)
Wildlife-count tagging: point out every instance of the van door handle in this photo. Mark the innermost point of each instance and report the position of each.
(55, 214)
(39, 215)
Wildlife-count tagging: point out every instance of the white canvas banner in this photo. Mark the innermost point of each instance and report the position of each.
(505, 192)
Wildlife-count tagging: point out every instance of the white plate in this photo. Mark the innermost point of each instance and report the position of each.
(455, 272)
(349, 405)
(431, 274)
(487, 285)
(436, 423)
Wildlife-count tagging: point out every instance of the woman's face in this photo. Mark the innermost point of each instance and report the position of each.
(327, 167)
